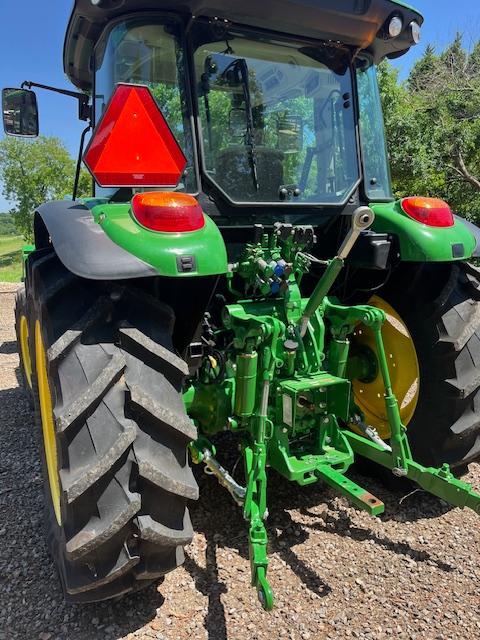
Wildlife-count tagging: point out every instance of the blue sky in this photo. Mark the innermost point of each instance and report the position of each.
(31, 43)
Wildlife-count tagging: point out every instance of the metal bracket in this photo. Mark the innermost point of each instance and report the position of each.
(84, 109)
(439, 482)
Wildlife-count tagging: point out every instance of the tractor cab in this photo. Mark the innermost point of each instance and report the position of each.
(212, 282)
(269, 114)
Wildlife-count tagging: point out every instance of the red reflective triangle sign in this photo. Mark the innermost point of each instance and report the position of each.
(132, 145)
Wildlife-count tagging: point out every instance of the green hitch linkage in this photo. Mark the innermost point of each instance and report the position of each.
(255, 506)
(253, 497)
(439, 482)
(362, 219)
(255, 512)
(253, 500)
(255, 453)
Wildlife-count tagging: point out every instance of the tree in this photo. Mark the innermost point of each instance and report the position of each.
(34, 172)
(7, 226)
(433, 126)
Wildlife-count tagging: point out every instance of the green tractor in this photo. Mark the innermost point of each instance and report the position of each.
(242, 266)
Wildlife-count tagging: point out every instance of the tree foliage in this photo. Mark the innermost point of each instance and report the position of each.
(34, 172)
(7, 226)
(432, 122)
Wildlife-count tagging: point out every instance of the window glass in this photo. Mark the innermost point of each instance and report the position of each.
(149, 54)
(277, 120)
(372, 133)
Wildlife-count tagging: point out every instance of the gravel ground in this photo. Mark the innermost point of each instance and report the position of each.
(337, 573)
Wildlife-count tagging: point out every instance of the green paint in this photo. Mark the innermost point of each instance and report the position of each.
(439, 482)
(324, 285)
(288, 397)
(408, 6)
(210, 404)
(162, 249)
(27, 249)
(302, 463)
(355, 494)
(246, 382)
(418, 242)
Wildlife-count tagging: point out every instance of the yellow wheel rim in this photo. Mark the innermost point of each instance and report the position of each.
(404, 371)
(48, 427)
(25, 350)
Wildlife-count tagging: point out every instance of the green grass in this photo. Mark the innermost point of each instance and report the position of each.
(11, 258)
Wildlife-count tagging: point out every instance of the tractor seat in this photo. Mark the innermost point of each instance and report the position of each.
(234, 173)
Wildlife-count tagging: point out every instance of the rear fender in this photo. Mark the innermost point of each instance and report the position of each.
(103, 242)
(420, 243)
(475, 231)
(178, 255)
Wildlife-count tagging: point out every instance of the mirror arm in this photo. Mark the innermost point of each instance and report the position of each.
(79, 162)
(84, 109)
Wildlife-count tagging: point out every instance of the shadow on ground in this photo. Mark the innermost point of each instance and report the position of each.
(8, 347)
(222, 525)
(30, 596)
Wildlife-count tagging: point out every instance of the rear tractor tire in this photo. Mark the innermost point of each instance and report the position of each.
(23, 341)
(107, 391)
(439, 345)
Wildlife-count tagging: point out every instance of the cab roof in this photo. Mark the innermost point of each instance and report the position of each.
(357, 23)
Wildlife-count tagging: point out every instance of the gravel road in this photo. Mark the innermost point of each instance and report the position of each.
(337, 573)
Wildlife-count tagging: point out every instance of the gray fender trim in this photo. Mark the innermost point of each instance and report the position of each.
(83, 246)
(475, 231)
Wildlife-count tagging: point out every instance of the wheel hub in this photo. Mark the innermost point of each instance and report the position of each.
(367, 383)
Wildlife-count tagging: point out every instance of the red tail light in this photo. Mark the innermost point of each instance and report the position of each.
(168, 211)
(430, 211)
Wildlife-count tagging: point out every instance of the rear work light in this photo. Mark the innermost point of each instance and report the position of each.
(168, 211)
(430, 211)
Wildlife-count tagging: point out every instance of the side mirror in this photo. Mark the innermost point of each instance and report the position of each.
(20, 113)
